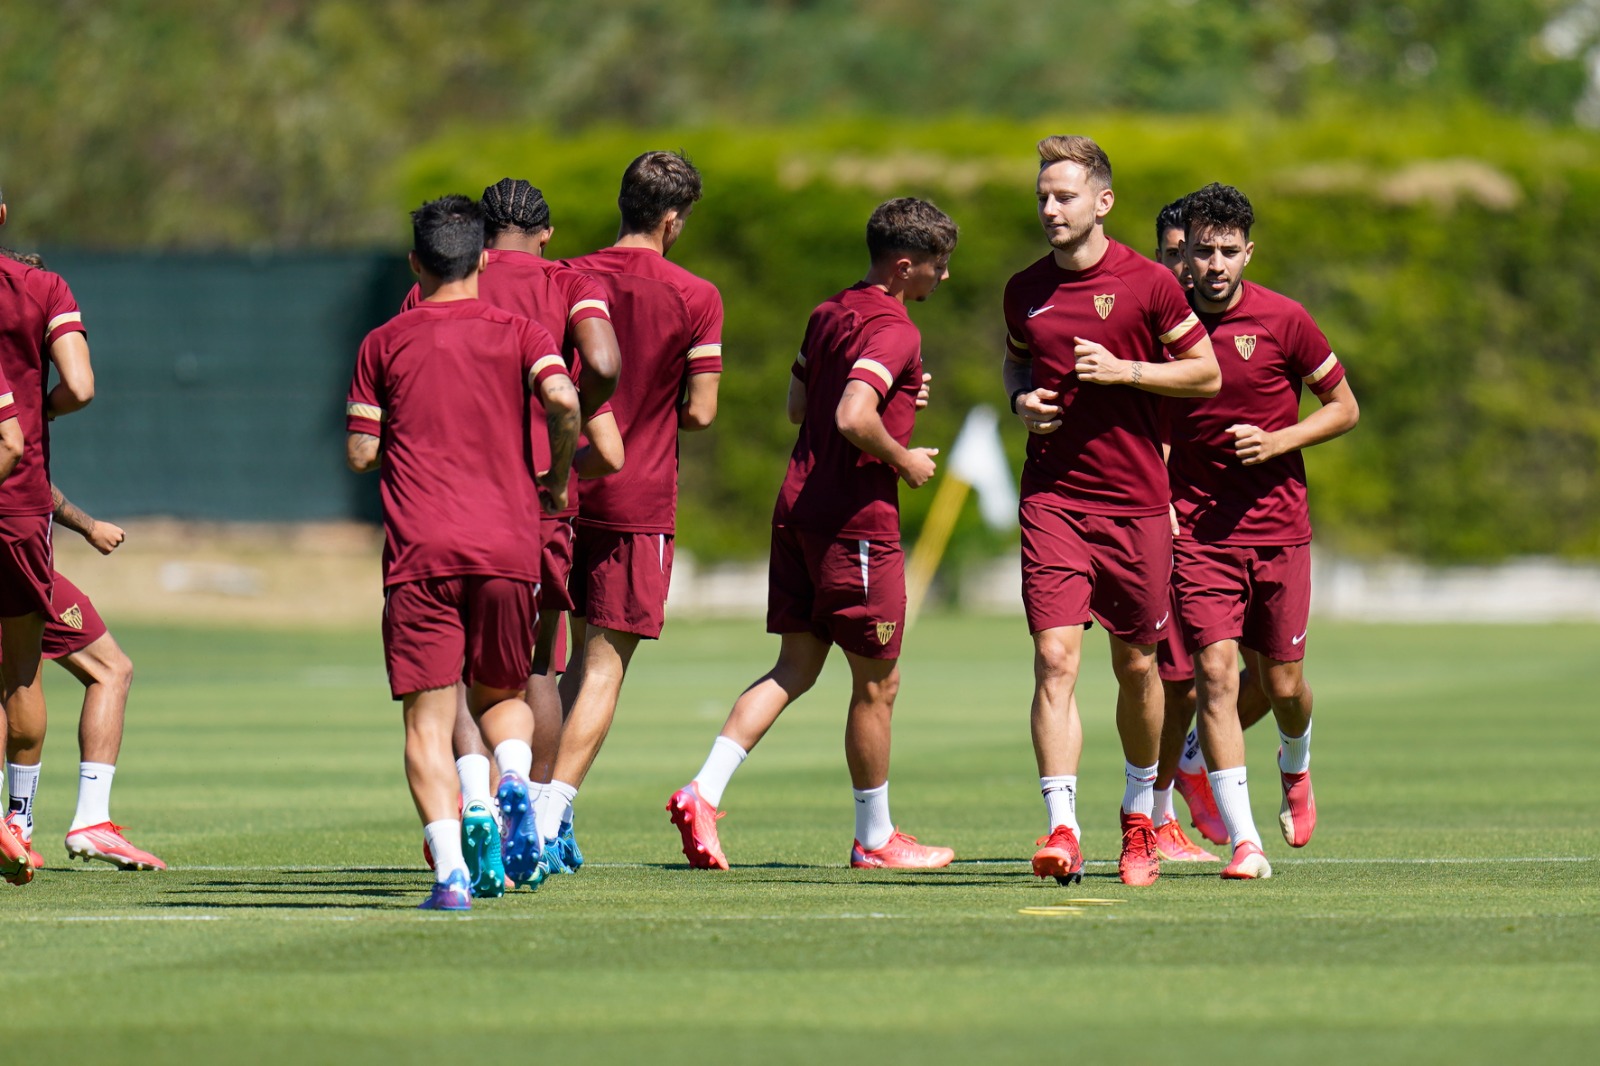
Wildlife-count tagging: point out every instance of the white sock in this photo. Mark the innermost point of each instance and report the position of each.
(444, 840)
(1295, 758)
(1192, 762)
(1137, 794)
(514, 756)
(557, 799)
(713, 778)
(1061, 800)
(1232, 790)
(94, 794)
(473, 770)
(22, 782)
(1163, 810)
(874, 827)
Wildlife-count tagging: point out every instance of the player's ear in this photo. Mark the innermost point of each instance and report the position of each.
(903, 267)
(416, 263)
(1103, 202)
(483, 261)
(544, 239)
(2, 214)
(1249, 250)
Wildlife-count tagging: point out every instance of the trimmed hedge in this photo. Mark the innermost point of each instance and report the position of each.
(1447, 256)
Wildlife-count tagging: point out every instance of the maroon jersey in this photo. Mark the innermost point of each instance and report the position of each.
(833, 487)
(36, 308)
(1106, 457)
(669, 327)
(551, 294)
(1266, 345)
(446, 387)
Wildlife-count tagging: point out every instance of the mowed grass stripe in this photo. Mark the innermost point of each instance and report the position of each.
(1447, 908)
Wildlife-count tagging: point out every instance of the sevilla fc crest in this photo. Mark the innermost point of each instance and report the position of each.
(885, 632)
(73, 616)
(1246, 343)
(1102, 304)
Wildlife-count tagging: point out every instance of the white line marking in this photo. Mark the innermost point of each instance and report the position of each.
(1308, 860)
(407, 915)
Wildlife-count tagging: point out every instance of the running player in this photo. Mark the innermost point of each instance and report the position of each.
(669, 325)
(570, 306)
(440, 401)
(837, 572)
(76, 637)
(1087, 327)
(1242, 559)
(39, 323)
(1180, 763)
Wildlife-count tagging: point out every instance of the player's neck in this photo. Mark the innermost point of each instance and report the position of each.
(519, 242)
(1086, 253)
(884, 281)
(435, 291)
(654, 241)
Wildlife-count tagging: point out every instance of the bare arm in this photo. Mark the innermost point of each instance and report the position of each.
(361, 452)
(102, 536)
(858, 421)
(602, 362)
(604, 453)
(1338, 415)
(1036, 407)
(561, 420)
(11, 444)
(70, 353)
(1193, 374)
(796, 403)
(699, 408)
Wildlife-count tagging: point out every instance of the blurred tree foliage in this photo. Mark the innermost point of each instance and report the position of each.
(1419, 177)
(277, 123)
(1455, 286)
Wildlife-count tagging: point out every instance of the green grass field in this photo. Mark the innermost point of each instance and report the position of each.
(1446, 911)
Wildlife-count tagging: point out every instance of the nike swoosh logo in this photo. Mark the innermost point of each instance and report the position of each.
(1163, 620)
(1297, 641)
(1032, 312)
(91, 777)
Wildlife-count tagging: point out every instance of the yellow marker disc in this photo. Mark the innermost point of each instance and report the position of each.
(1051, 912)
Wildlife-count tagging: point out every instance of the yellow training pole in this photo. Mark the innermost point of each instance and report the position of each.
(924, 561)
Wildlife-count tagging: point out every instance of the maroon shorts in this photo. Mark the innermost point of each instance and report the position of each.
(26, 566)
(73, 624)
(843, 590)
(1173, 660)
(1114, 569)
(1259, 596)
(555, 564)
(472, 628)
(619, 579)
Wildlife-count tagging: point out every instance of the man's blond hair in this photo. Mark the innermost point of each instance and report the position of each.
(1073, 148)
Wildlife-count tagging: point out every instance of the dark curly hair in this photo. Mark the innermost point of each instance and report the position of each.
(512, 203)
(1218, 207)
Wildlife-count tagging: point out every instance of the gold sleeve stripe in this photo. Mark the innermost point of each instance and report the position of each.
(800, 359)
(877, 368)
(1180, 329)
(1324, 370)
(61, 320)
(706, 351)
(545, 363)
(1021, 346)
(364, 410)
(582, 305)
(7, 399)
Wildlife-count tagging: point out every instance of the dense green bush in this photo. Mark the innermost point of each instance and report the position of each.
(1445, 254)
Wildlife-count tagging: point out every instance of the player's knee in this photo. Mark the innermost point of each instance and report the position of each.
(1054, 661)
(879, 690)
(1285, 687)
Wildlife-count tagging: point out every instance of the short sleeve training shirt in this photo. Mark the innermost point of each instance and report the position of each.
(557, 298)
(833, 487)
(446, 389)
(1106, 457)
(669, 328)
(36, 309)
(1266, 345)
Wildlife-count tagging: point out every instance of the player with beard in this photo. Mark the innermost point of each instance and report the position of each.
(1097, 335)
(1242, 559)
